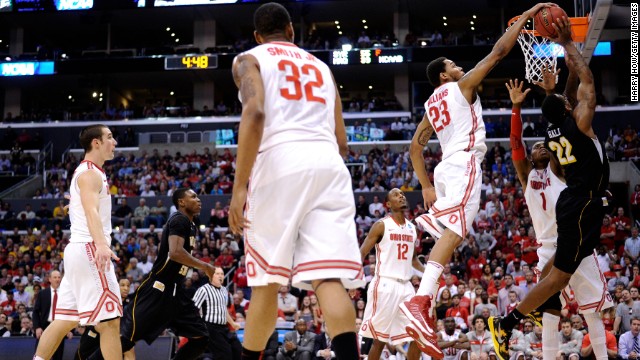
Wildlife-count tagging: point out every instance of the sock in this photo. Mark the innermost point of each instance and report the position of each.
(346, 346)
(252, 355)
(36, 357)
(430, 278)
(550, 345)
(597, 335)
(192, 349)
(512, 320)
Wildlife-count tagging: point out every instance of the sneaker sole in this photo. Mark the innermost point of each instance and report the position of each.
(405, 310)
(424, 345)
(496, 344)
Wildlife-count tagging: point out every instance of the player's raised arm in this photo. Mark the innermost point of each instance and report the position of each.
(470, 81)
(246, 74)
(585, 107)
(518, 150)
(418, 142)
(373, 237)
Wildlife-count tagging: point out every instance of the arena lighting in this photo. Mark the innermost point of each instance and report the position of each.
(339, 32)
(171, 93)
(70, 97)
(338, 27)
(364, 21)
(444, 18)
(173, 34)
(337, 22)
(445, 24)
(95, 94)
(168, 29)
(474, 16)
(370, 87)
(202, 227)
(472, 28)
(346, 47)
(366, 27)
(471, 22)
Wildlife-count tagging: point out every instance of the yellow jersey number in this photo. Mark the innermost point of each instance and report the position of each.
(563, 150)
(183, 270)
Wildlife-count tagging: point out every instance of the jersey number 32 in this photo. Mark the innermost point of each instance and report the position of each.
(294, 92)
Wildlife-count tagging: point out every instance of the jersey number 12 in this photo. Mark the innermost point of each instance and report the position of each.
(402, 251)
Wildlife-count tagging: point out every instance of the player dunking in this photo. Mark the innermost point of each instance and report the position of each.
(292, 133)
(454, 112)
(394, 239)
(580, 207)
(543, 181)
(89, 292)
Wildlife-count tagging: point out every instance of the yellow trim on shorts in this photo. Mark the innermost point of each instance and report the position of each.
(580, 227)
(135, 302)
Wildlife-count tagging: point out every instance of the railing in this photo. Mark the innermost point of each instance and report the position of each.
(47, 151)
(229, 276)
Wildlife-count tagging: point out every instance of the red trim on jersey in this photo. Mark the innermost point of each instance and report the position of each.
(427, 219)
(398, 337)
(283, 43)
(598, 304)
(107, 294)
(90, 165)
(472, 133)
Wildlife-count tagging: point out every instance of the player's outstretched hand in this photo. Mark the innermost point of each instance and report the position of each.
(537, 7)
(515, 91)
(429, 196)
(103, 256)
(237, 221)
(563, 29)
(548, 83)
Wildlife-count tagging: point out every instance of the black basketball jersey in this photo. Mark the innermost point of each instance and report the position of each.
(165, 269)
(584, 171)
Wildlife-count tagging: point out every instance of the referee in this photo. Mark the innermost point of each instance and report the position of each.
(213, 300)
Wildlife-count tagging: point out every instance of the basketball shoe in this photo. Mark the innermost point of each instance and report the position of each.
(421, 325)
(500, 337)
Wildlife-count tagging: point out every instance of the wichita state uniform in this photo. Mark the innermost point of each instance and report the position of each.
(159, 302)
(580, 207)
(390, 286)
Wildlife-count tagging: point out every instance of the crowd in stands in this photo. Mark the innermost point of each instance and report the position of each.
(488, 274)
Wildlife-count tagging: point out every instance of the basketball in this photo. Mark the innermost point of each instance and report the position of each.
(543, 20)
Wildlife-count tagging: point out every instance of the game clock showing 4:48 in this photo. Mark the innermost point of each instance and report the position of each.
(191, 62)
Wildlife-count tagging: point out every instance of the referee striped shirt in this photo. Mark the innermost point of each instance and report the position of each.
(213, 301)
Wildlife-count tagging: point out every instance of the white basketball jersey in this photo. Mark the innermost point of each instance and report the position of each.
(299, 94)
(543, 190)
(394, 253)
(79, 228)
(458, 125)
(450, 352)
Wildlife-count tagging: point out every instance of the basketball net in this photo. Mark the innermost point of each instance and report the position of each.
(537, 50)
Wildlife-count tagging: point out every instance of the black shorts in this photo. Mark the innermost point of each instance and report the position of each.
(579, 220)
(156, 308)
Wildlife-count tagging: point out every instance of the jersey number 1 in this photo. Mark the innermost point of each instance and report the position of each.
(402, 251)
(440, 116)
(294, 79)
(544, 202)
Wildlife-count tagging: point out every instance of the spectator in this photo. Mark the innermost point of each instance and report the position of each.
(5, 325)
(586, 352)
(122, 215)
(376, 205)
(625, 310)
(632, 245)
(605, 257)
(298, 344)
(26, 218)
(503, 294)
(607, 233)
(622, 224)
(480, 340)
(272, 348)
(134, 271)
(287, 302)
(517, 345)
(157, 214)
(458, 313)
(140, 213)
(619, 278)
(22, 296)
(629, 342)
(534, 341)
(570, 341)
(323, 347)
(8, 307)
(635, 203)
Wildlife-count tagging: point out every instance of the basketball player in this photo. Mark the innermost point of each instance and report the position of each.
(292, 133)
(454, 112)
(542, 181)
(160, 301)
(453, 342)
(394, 239)
(580, 206)
(88, 293)
(90, 340)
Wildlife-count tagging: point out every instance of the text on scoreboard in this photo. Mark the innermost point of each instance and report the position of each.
(368, 56)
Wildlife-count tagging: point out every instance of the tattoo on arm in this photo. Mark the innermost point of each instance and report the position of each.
(425, 134)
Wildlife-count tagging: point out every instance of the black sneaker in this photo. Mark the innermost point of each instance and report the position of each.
(500, 337)
(536, 317)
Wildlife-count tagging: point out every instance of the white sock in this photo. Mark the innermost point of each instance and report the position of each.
(597, 335)
(430, 279)
(550, 345)
(36, 357)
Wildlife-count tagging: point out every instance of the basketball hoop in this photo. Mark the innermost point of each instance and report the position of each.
(540, 52)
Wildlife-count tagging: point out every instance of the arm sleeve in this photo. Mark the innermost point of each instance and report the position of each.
(517, 146)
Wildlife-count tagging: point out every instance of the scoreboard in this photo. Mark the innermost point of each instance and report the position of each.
(369, 56)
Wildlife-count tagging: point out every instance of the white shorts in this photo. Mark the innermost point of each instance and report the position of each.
(86, 294)
(588, 284)
(383, 319)
(457, 183)
(301, 208)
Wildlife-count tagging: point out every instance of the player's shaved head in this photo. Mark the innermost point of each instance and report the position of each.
(271, 18)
